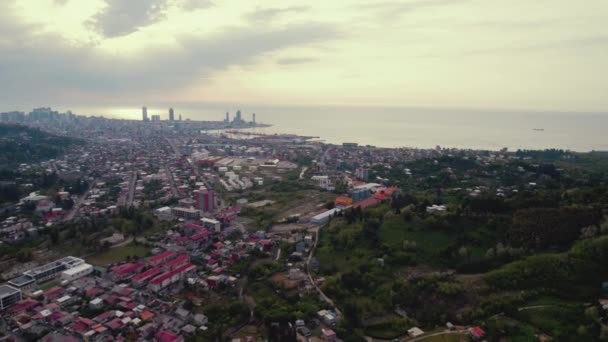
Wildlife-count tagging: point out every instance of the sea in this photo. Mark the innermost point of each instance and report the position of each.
(416, 127)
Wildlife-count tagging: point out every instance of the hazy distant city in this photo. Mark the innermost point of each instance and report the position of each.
(324, 171)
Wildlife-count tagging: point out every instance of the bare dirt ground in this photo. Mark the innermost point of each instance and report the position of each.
(288, 227)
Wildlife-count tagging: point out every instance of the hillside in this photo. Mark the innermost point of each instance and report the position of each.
(21, 144)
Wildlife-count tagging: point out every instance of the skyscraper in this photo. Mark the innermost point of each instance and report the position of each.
(171, 114)
(238, 118)
(227, 120)
(205, 200)
(144, 112)
(253, 118)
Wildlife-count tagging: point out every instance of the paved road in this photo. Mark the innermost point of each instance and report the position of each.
(534, 307)
(132, 183)
(304, 169)
(171, 181)
(324, 156)
(70, 215)
(447, 332)
(321, 293)
(178, 155)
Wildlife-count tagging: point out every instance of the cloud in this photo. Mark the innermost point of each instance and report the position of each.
(269, 14)
(296, 60)
(395, 9)
(38, 68)
(191, 5)
(122, 17)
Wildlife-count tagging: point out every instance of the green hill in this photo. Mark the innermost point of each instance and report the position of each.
(21, 144)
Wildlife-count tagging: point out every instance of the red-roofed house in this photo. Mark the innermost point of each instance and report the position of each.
(161, 258)
(200, 240)
(142, 278)
(23, 306)
(93, 292)
(126, 270)
(368, 202)
(146, 315)
(160, 282)
(193, 228)
(53, 293)
(180, 260)
(167, 336)
(328, 335)
(477, 333)
(343, 201)
(115, 324)
(266, 244)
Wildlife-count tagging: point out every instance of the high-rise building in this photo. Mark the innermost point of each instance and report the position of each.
(155, 117)
(238, 118)
(227, 120)
(205, 200)
(171, 114)
(180, 117)
(253, 118)
(144, 113)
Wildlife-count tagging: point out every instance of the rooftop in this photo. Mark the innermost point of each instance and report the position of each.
(68, 262)
(21, 280)
(6, 290)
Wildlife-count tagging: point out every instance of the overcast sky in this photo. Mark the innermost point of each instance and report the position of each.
(495, 54)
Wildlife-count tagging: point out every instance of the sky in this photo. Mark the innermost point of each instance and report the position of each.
(495, 54)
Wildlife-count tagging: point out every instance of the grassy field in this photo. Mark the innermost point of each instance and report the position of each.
(456, 337)
(559, 322)
(49, 285)
(118, 254)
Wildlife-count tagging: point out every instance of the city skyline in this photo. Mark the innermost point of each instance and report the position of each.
(426, 53)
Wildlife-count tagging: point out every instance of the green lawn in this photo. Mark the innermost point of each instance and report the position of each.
(118, 254)
(559, 322)
(394, 231)
(48, 285)
(455, 337)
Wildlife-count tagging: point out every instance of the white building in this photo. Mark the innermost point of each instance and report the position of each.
(323, 182)
(436, 208)
(415, 332)
(323, 217)
(53, 269)
(77, 272)
(212, 224)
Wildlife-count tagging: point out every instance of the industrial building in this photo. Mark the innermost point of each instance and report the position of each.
(9, 296)
(323, 217)
(53, 269)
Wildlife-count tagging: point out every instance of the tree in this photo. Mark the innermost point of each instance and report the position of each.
(188, 305)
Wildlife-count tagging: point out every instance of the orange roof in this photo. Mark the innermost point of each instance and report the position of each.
(146, 315)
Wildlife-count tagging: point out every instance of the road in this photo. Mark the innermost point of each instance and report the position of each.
(70, 215)
(171, 181)
(278, 254)
(304, 169)
(56, 169)
(446, 332)
(309, 273)
(178, 155)
(324, 156)
(132, 184)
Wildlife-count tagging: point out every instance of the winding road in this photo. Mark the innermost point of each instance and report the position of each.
(309, 273)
